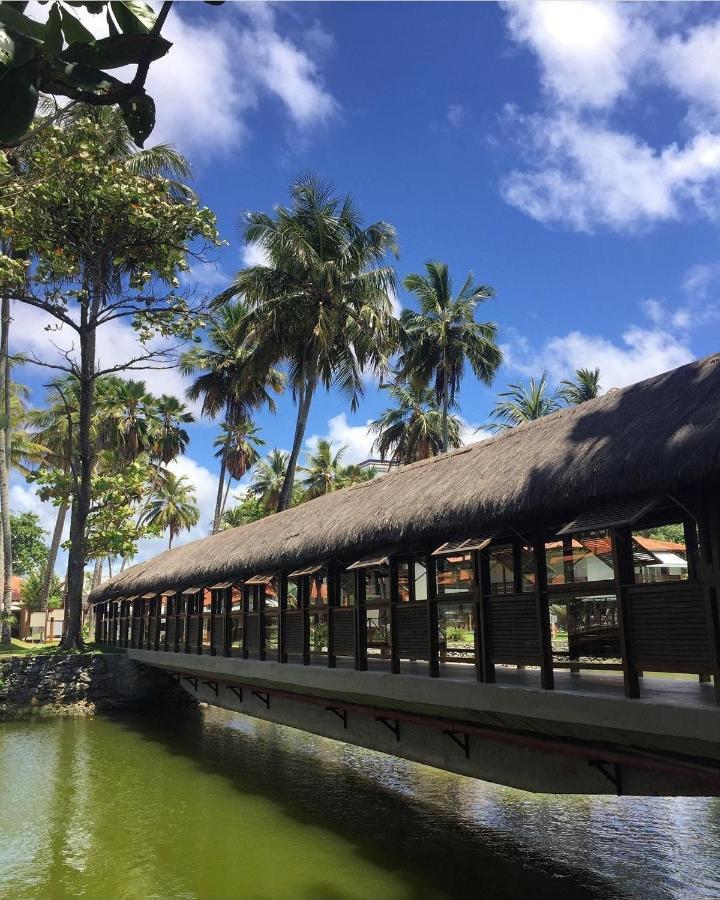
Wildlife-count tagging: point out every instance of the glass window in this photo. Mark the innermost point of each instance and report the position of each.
(502, 569)
(580, 559)
(318, 588)
(347, 589)
(318, 632)
(454, 574)
(292, 594)
(660, 554)
(404, 572)
(456, 627)
(377, 584)
(421, 582)
(272, 600)
(271, 632)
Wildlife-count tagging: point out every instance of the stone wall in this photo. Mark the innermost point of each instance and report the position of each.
(80, 684)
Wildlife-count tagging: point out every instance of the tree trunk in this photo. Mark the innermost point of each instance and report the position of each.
(97, 573)
(5, 455)
(52, 556)
(446, 403)
(72, 639)
(220, 492)
(302, 417)
(225, 498)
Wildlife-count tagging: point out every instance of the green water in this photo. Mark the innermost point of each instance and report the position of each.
(212, 804)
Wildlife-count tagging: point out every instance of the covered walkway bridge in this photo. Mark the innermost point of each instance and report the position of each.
(539, 609)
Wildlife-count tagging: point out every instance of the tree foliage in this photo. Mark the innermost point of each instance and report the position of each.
(62, 58)
(523, 403)
(440, 340)
(322, 302)
(29, 547)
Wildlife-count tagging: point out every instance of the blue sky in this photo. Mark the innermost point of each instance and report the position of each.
(567, 154)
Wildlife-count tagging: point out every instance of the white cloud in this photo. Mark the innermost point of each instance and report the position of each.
(254, 255)
(455, 114)
(583, 170)
(116, 343)
(587, 50)
(591, 175)
(356, 438)
(219, 70)
(700, 278)
(471, 432)
(642, 353)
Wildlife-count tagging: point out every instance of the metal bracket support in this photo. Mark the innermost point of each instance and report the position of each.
(237, 691)
(193, 681)
(213, 685)
(340, 713)
(265, 698)
(391, 724)
(461, 739)
(613, 775)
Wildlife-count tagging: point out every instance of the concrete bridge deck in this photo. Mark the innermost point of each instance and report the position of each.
(583, 737)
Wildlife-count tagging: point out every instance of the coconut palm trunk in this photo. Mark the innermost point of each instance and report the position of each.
(446, 404)
(220, 490)
(52, 556)
(5, 456)
(304, 401)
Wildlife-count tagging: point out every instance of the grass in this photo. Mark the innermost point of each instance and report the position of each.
(22, 648)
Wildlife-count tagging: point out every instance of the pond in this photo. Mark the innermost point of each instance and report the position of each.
(207, 804)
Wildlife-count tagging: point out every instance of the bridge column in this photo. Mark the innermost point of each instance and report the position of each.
(361, 621)
(709, 527)
(483, 647)
(547, 679)
(333, 589)
(433, 649)
(624, 576)
(394, 600)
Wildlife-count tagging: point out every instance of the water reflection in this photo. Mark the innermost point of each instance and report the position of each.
(215, 805)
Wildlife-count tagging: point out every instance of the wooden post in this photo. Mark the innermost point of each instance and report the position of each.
(188, 604)
(710, 549)
(624, 577)
(394, 600)
(304, 603)
(547, 678)
(484, 665)
(244, 603)
(361, 630)
(282, 608)
(432, 606)
(333, 598)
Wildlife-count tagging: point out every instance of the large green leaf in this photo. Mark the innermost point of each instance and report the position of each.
(15, 48)
(73, 28)
(133, 16)
(87, 78)
(139, 115)
(18, 101)
(120, 50)
(9, 15)
(53, 33)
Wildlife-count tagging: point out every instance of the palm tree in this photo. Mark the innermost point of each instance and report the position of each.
(322, 302)
(172, 507)
(130, 418)
(443, 336)
(324, 471)
(585, 386)
(415, 427)
(170, 438)
(238, 446)
(523, 404)
(231, 380)
(269, 478)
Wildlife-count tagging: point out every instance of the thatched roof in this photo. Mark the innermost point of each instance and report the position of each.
(656, 435)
